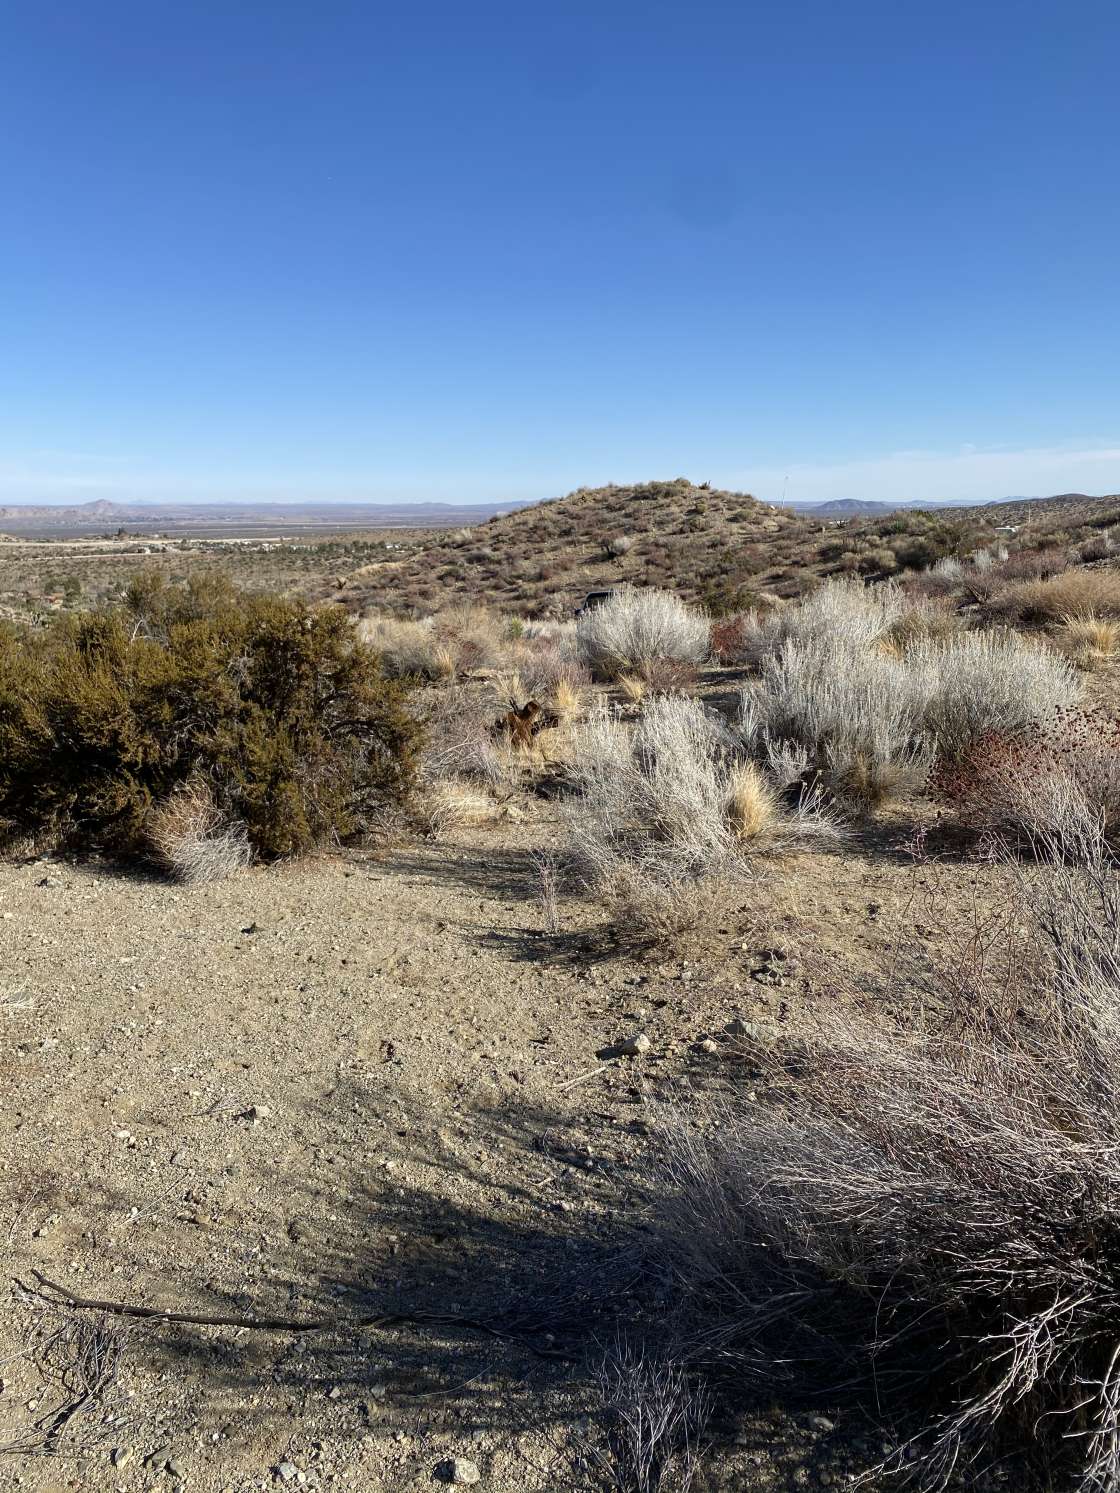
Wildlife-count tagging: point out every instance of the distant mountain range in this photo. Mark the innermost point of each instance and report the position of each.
(104, 514)
(872, 508)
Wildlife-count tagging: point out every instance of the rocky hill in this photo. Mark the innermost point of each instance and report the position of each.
(709, 545)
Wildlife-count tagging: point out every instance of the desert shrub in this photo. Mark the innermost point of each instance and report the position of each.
(1046, 785)
(854, 712)
(1072, 593)
(663, 802)
(866, 690)
(449, 644)
(1034, 564)
(839, 612)
(980, 682)
(1099, 547)
(408, 649)
(934, 1217)
(285, 716)
(634, 629)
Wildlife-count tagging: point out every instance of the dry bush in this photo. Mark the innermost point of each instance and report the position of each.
(661, 804)
(454, 642)
(665, 913)
(447, 803)
(1074, 592)
(473, 634)
(636, 629)
(842, 612)
(631, 688)
(988, 681)
(1044, 786)
(1088, 639)
(459, 735)
(853, 713)
(938, 1219)
(866, 708)
(193, 840)
(408, 649)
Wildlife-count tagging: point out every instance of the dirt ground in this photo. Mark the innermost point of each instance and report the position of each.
(363, 1085)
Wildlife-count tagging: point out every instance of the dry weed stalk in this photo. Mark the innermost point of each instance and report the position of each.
(193, 839)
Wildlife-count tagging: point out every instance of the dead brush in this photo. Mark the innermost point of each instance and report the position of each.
(933, 1217)
(653, 1417)
(1090, 640)
(644, 913)
(193, 840)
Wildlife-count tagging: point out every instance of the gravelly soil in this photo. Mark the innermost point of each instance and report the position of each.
(432, 1130)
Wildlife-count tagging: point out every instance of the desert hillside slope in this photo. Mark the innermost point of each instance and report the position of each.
(722, 549)
(707, 544)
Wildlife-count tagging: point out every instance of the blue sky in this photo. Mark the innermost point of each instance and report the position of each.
(472, 251)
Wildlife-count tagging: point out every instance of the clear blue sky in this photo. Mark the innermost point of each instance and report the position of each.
(257, 248)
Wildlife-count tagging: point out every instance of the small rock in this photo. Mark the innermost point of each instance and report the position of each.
(287, 1472)
(631, 1047)
(335, 1393)
(121, 1456)
(258, 1112)
(707, 1045)
(174, 1467)
(460, 1471)
(822, 1423)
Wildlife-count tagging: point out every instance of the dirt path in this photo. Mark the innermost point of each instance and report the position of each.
(341, 1087)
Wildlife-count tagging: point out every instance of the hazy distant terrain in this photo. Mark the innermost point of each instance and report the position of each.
(247, 519)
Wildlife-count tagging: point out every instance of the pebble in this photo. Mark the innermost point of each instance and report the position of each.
(121, 1456)
(707, 1045)
(287, 1472)
(259, 1112)
(822, 1423)
(460, 1471)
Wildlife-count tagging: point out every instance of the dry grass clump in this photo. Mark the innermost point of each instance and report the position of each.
(1074, 592)
(1088, 639)
(753, 806)
(665, 913)
(934, 1217)
(193, 839)
(448, 803)
(407, 649)
(635, 630)
(454, 642)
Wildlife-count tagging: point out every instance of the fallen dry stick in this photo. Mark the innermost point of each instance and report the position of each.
(62, 1296)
